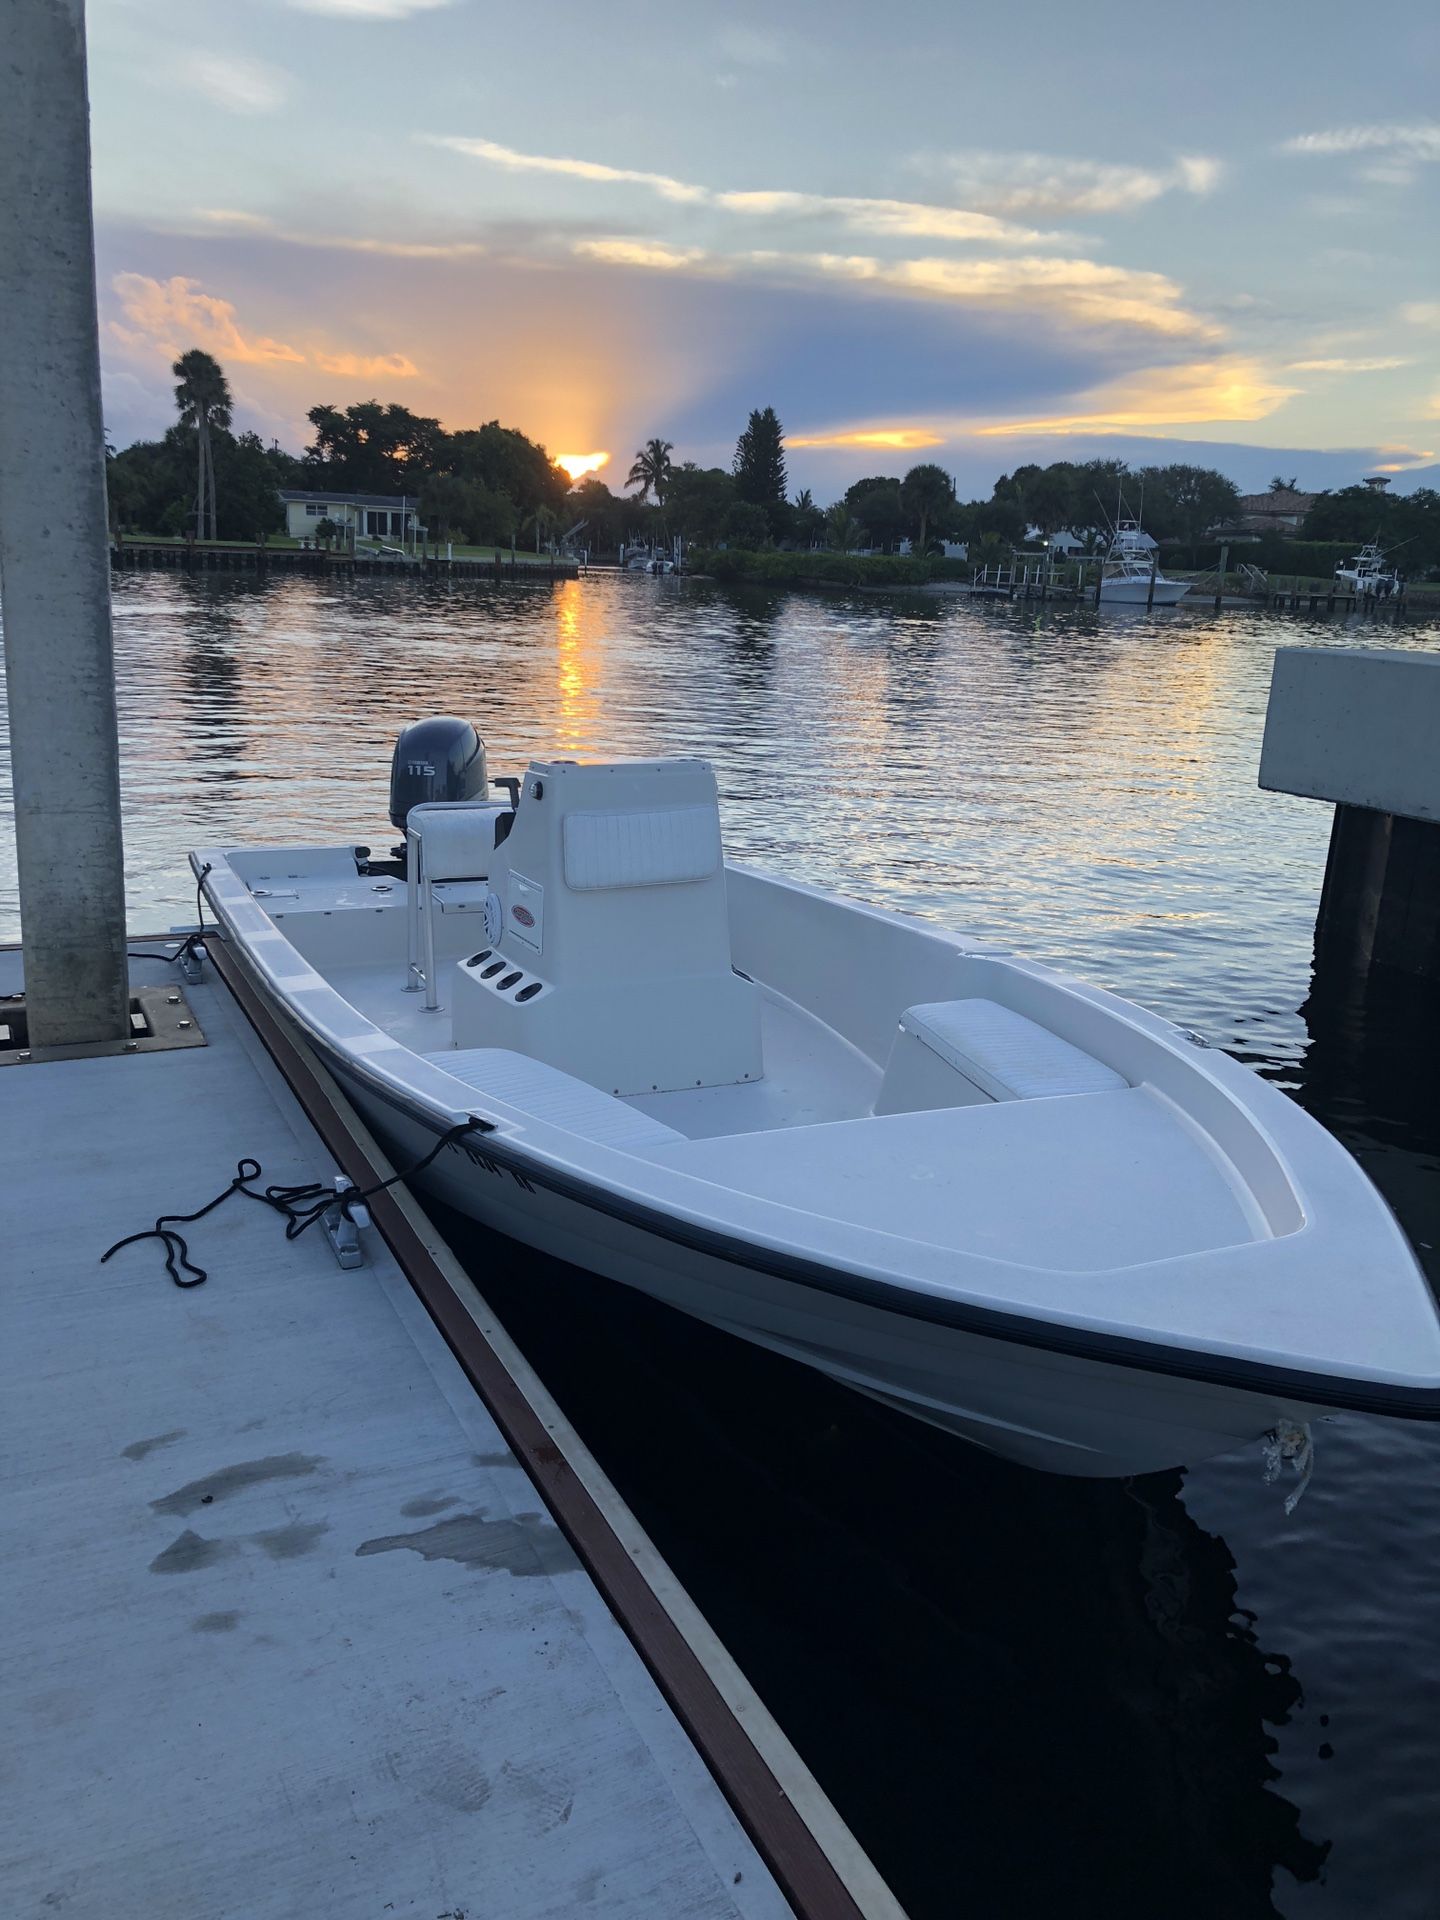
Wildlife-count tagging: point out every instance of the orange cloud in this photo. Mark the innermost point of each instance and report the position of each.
(170, 315)
(898, 439)
(164, 317)
(1162, 397)
(377, 366)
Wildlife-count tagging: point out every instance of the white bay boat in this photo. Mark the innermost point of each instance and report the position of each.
(1006, 1202)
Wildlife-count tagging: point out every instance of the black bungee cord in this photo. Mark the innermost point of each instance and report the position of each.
(301, 1206)
(192, 940)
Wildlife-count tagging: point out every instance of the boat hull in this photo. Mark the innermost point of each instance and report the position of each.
(1137, 593)
(1058, 1412)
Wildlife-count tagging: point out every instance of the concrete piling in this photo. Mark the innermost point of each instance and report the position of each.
(54, 542)
(1357, 726)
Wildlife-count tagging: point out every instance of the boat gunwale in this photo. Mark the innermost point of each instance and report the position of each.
(1298, 1387)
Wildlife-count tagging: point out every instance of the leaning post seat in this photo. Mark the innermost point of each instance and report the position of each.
(609, 932)
(445, 840)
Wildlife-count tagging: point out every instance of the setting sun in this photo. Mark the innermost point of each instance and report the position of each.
(577, 465)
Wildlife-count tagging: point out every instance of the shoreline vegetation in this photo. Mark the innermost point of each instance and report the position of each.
(491, 488)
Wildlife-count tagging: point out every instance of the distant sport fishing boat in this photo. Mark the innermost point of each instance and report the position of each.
(1000, 1200)
(1130, 577)
(1367, 576)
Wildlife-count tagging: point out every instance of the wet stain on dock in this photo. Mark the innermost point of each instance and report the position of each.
(528, 1544)
(226, 1481)
(191, 1551)
(288, 1543)
(138, 1449)
(225, 1622)
(423, 1507)
(453, 1779)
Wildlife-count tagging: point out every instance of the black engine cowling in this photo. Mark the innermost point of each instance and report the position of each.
(439, 759)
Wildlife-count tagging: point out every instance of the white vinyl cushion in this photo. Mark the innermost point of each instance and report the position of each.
(655, 849)
(1003, 1053)
(458, 843)
(557, 1098)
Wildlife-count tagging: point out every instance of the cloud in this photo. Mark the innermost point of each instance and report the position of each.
(368, 9)
(1421, 313)
(229, 217)
(1409, 456)
(749, 47)
(910, 218)
(1199, 394)
(1344, 366)
(167, 316)
(641, 253)
(377, 366)
(1038, 183)
(895, 439)
(1389, 173)
(236, 84)
(1081, 290)
(593, 170)
(232, 217)
(1419, 140)
(389, 249)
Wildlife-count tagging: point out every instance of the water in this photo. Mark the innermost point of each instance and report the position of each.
(1029, 1696)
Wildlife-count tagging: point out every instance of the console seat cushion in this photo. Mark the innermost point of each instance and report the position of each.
(557, 1098)
(458, 839)
(662, 847)
(1003, 1053)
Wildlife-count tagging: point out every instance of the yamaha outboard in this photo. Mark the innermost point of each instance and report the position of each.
(439, 759)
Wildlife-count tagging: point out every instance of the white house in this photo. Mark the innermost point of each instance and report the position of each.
(373, 516)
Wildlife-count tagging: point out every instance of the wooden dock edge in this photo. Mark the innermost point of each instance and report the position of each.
(817, 1862)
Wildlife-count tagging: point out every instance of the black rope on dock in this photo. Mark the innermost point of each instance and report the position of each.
(301, 1205)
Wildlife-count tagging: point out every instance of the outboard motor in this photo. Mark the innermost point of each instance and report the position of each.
(440, 759)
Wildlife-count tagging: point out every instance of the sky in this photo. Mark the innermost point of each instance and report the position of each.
(920, 232)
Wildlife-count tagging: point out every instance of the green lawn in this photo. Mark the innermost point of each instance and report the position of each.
(178, 540)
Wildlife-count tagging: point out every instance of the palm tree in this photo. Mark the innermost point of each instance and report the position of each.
(844, 529)
(650, 470)
(1281, 485)
(203, 397)
(543, 520)
(927, 493)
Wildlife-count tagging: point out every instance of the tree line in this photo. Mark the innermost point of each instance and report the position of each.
(488, 485)
(491, 485)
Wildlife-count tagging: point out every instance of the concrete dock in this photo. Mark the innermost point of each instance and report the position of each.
(287, 1628)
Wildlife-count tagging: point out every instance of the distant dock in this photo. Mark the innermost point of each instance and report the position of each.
(143, 556)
